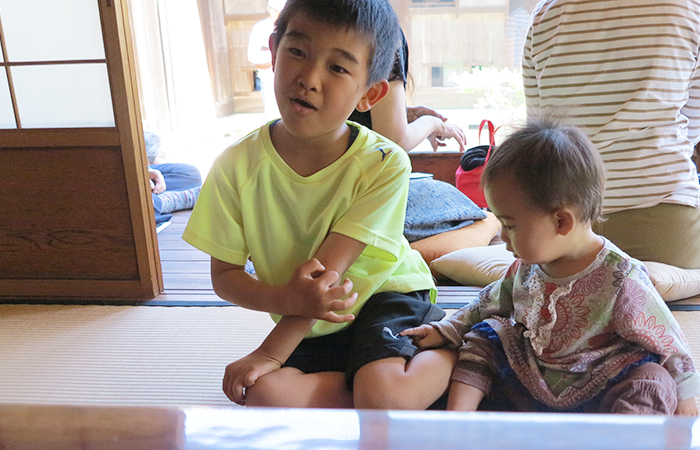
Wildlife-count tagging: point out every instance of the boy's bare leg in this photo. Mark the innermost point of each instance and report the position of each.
(463, 397)
(290, 388)
(392, 383)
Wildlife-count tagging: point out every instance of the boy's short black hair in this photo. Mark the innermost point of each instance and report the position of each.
(556, 165)
(373, 19)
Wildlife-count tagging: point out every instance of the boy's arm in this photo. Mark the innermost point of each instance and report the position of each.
(271, 354)
(313, 291)
(337, 252)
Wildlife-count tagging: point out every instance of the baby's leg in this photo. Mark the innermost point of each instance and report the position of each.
(472, 377)
(291, 388)
(464, 397)
(393, 383)
(647, 389)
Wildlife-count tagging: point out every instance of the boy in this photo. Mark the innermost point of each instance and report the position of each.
(575, 325)
(312, 198)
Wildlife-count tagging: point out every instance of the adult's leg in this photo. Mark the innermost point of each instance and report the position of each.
(179, 176)
(160, 213)
(647, 389)
(665, 233)
(290, 388)
(182, 183)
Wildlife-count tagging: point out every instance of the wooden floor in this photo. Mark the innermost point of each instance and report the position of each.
(187, 278)
(186, 275)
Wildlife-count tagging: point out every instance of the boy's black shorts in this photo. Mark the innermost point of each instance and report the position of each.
(374, 335)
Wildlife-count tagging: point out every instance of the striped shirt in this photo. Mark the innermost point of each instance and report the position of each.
(626, 72)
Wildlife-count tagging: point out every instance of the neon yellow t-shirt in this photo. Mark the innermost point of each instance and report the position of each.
(254, 205)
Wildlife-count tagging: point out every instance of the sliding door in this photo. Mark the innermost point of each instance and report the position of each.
(76, 218)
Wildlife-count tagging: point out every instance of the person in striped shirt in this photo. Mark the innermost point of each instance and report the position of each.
(627, 74)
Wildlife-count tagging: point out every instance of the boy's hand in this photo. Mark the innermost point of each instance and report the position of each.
(425, 336)
(316, 297)
(244, 373)
(687, 407)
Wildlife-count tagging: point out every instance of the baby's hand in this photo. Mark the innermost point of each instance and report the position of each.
(315, 295)
(687, 407)
(243, 374)
(425, 336)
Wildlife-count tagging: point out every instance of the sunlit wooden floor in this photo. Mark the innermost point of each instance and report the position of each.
(187, 279)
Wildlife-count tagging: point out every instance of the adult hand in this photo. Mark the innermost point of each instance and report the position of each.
(157, 181)
(414, 112)
(448, 131)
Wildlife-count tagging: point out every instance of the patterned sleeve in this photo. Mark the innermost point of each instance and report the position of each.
(642, 317)
(496, 299)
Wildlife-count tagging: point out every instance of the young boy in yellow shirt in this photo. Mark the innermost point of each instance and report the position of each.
(318, 204)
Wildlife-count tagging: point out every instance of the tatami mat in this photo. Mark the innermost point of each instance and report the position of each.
(138, 355)
(122, 355)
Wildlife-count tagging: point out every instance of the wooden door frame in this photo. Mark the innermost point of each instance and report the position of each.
(127, 112)
(126, 137)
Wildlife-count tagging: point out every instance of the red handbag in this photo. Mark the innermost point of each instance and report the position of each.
(469, 181)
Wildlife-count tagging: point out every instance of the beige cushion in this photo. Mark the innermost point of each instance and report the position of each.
(674, 283)
(478, 234)
(476, 266)
(480, 266)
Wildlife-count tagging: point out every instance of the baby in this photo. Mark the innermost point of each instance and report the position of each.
(575, 324)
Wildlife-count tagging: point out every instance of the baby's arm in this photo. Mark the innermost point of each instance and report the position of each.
(425, 336)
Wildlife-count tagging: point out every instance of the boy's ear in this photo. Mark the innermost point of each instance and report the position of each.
(565, 220)
(375, 93)
(273, 49)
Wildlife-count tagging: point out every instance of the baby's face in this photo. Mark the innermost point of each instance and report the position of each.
(528, 232)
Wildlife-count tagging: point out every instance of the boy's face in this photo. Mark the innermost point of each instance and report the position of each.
(320, 75)
(530, 233)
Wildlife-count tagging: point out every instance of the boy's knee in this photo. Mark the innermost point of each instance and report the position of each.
(381, 385)
(377, 393)
(268, 390)
(647, 389)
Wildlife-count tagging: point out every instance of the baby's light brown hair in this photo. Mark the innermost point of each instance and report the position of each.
(556, 165)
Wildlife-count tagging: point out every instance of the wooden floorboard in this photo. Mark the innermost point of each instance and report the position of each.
(187, 279)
